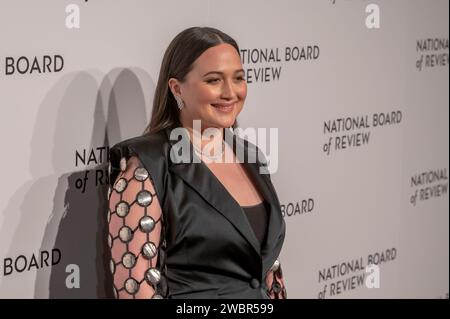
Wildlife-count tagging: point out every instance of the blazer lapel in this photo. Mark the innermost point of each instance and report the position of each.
(205, 183)
(276, 222)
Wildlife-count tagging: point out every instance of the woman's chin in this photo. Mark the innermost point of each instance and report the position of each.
(225, 123)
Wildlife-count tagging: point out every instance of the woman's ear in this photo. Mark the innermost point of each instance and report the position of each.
(174, 86)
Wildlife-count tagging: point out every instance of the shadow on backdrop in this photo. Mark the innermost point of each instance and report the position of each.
(60, 211)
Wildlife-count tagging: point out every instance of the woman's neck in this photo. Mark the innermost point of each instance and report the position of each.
(200, 140)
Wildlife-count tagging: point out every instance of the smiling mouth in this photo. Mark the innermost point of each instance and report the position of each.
(224, 108)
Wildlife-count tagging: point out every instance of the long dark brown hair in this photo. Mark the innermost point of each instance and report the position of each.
(177, 62)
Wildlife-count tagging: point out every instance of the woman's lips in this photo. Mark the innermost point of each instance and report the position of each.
(228, 107)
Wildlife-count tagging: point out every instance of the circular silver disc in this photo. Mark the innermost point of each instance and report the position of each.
(112, 266)
(140, 174)
(121, 185)
(156, 296)
(149, 250)
(110, 241)
(125, 234)
(123, 164)
(128, 260)
(109, 192)
(275, 265)
(152, 275)
(146, 224)
(276, 287)
(144, 198)
(122, 209)
(115, 292)
(131, 286)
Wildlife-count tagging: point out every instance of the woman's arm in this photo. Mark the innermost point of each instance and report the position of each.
(275, 282)
(136, 229)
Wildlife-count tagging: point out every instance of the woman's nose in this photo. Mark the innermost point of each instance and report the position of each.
(228, 90)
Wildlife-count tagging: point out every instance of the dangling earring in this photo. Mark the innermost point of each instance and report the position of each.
(180, 102)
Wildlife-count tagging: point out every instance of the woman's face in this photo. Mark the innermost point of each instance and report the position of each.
(214, 90)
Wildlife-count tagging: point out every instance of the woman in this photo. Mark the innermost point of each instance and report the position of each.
(196, 228)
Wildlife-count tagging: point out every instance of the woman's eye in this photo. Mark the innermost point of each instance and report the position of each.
(239, 79)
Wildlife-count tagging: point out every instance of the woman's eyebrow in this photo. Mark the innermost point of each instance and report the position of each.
(221, 73)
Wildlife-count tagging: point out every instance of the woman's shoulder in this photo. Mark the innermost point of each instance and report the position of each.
(151, 149)
(149, 145)
(157, 140)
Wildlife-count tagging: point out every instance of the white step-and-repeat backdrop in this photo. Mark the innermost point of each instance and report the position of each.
(359, 92)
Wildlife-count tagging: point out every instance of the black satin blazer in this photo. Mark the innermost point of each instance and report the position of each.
(210, 249)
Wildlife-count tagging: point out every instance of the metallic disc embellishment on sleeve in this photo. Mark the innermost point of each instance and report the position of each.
(144, 198)
(141, 174)
(109, 192)
(149, 250)
(146, 224)
(125, 234)
(276, 287)
(122, 209)
(112, 266)
(128, 260)
(121, 184)
(110, 240)
(115, 292)
(123, 164)
(152, 275)
(131, 286)
(156, 296)
(275, 266)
